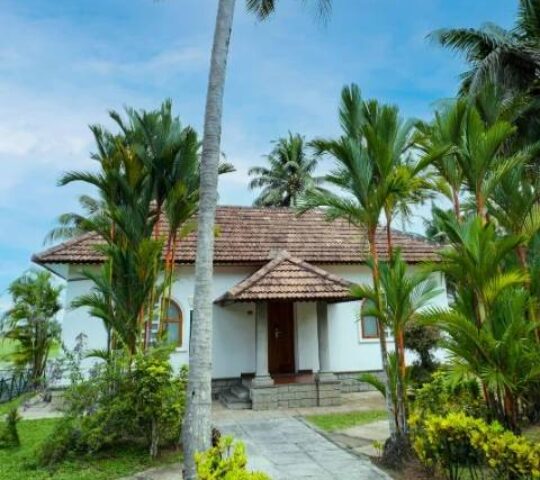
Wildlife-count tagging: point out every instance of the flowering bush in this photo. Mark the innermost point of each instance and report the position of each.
(225, 461)
(457, 443)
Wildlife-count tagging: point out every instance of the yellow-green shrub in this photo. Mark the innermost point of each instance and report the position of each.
(456, 443)
(226, 461)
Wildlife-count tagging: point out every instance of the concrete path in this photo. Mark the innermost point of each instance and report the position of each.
(287, 449)
(360, 438)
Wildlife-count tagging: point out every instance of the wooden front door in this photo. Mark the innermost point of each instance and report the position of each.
(280, 338)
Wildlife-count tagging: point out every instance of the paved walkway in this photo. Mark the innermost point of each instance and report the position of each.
(287, 449)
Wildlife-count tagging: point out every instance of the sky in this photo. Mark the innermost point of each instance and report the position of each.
(65, 63)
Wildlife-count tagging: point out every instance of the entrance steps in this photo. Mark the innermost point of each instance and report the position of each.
(236, 398)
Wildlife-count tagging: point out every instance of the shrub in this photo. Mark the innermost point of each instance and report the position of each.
(457, 443)
(226, 461)
(440, 396)
(9, 435)
(139, 401)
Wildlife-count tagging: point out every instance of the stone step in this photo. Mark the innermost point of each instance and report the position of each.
(240, 391)
(230, 400)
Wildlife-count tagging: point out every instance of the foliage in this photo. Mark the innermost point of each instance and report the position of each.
(140, 404)
(124, 460)
(508, 58)
(289, 174)
(457, 443)
(225, 461)
(397, 302)
(31, 320)
(443, 396)
(422, 340)
(338, 421)
(9, 435)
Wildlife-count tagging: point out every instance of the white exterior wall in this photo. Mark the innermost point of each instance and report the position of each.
(349, 352)
(234, 325)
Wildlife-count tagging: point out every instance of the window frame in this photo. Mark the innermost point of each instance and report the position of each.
(179, 342)
(363, 318)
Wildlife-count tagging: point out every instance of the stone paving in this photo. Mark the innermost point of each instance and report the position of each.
(287, 449)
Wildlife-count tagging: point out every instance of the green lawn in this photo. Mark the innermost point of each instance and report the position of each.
(338, 421)
(15, 403)
(16, 463)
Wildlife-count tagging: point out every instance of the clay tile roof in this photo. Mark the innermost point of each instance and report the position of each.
(289, 278)
(249, 235)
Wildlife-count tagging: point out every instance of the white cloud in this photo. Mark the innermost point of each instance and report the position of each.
(171, 61)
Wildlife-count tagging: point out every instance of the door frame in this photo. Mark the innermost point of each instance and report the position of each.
(293, 342)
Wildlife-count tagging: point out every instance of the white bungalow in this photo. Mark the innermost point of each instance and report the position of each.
(286, 331)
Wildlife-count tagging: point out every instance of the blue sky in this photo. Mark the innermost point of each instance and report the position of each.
(65, 63)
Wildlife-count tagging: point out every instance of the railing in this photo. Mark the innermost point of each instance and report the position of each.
(13, 384)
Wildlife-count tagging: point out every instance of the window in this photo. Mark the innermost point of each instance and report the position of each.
(369, 324)
(173, 324)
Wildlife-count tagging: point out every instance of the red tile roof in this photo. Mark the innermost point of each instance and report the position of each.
(249, 235)
(287, 278)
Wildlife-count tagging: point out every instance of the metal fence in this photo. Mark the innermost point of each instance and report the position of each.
(13, 384)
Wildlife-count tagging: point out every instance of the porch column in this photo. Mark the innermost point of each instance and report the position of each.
(262, 376)
(324, 348)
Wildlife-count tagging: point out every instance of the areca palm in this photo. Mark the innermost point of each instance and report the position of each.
(364, 175)
(196, 429)
(501, 353)
(473, 260)
(403, 296)
(288, 176)
(440, 142)
(510, 58)
(483, 159)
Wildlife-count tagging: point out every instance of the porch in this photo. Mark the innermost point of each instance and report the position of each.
(277, 290)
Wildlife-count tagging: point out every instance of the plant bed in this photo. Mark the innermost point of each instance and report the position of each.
(19, 463)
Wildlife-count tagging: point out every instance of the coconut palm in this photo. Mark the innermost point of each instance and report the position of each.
(31, 321)
(196, 428)
(510, 58)
(288, 176)
(403, 296)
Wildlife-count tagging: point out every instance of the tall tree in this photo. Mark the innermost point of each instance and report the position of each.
(288, 176)
(31, 321)
(509, 58)
(365, 179)
(404, 295)
(197, 431)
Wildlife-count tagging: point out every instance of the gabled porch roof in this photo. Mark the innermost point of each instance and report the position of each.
(286, 278)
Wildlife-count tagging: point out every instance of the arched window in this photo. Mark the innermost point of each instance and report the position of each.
(370, 325)
(173, 324)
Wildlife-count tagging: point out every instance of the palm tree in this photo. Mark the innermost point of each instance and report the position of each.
(196, 429)
(482, 157)
(440, 142)
(501, 353)
(288, 176)
(365, 156)
(31, 321)
(473, 259)
(403, 296)
(509, 58)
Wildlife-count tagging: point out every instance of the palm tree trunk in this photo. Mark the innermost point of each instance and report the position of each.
(456, 204)
(399, 343)
(382, 334)
(197, 427)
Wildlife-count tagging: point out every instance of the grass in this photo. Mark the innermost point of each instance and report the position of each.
(8, 346)
(532, 433)
(15, 403)
(339, 421)
(18, 463)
